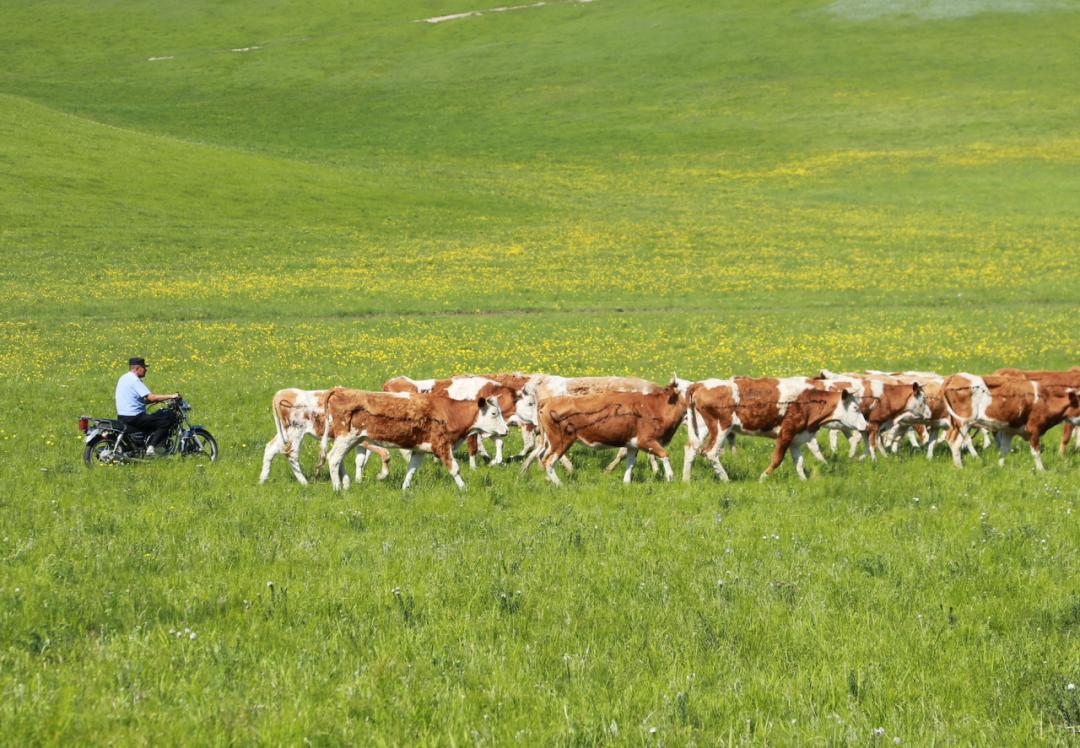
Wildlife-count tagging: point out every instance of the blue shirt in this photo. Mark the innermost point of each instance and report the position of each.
(131, 395)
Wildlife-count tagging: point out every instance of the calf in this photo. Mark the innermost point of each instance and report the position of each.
(419, 422)
(788, 410)
(516, 406)
(633, 420)
(298, 414)
(524, 385)
(883, 401)
(1007, 406)
(546, 386)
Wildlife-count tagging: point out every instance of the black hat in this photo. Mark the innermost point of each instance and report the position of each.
(137, 361)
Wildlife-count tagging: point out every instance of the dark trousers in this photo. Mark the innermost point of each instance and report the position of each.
(157, 424)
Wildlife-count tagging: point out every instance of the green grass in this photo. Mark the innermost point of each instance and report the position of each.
(618, 187)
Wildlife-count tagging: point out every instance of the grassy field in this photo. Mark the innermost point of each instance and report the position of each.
(263, 195)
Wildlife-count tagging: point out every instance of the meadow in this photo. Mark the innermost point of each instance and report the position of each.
(255, 196)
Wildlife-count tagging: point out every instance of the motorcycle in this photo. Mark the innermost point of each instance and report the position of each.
(111, 442)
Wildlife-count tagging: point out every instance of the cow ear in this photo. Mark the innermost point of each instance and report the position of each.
(1074, 399)
(846, 396)
(916, 388)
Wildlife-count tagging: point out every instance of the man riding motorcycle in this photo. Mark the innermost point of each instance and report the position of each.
(132, 397)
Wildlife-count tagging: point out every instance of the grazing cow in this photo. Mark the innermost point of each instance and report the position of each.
(633, 420)
(788, 410)
(421, 422)
(517, 406)
(1007, 406)
(298, 414)
(884, 402)
(1070, 378)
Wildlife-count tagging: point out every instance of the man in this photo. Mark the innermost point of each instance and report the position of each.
(132, 397)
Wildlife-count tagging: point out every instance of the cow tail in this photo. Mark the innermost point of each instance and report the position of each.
(953, 415)
(693, 417)
(276, 414)
(327, 418)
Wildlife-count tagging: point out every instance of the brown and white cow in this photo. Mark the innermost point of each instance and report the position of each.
(630, 420)
(546, 386)
(938, 422)
(419, 422)
(884, 401)
(1007, 406)
(1070, 378)
(524, 385)
(517, 406)
(790, 410)
(298, 414)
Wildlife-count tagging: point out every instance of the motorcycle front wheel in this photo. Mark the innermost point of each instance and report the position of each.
(200, 445)
(99, 451)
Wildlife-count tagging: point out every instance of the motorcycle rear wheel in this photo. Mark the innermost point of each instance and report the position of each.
(98, 450)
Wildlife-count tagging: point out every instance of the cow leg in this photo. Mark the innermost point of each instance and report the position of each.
(795, 450)
(912, 440)
(968, 443)
(834, 439)
(853, 437)
(870, 437)
(619, 456)
(695, 441)
(782, 443)
(955, 440)
(656, 451)
(362, 456)
(334, 459)
(536, 454)
(815, 448)
(414, 462)
(631, 460)
(272, 448)
(986, 438)
(1035, 440)
(292, 454)
(384, 457)
(481, 449)
(474, 445)
(731, 442)
(687, 461)
(447, 457)
(498, 451)
(276, 446)
(548, 463)
(931, 442)
(712, 452)
(528, 440)
(1066, 434)
(1004, 444)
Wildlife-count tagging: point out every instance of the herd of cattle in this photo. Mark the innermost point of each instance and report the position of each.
(876, 408)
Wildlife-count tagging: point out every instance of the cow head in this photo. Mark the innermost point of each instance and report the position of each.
(676, 389)
(681, 385)
(489, 418)
(1072, 412)
(525, 410)
(848, 413)
(917, 409)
